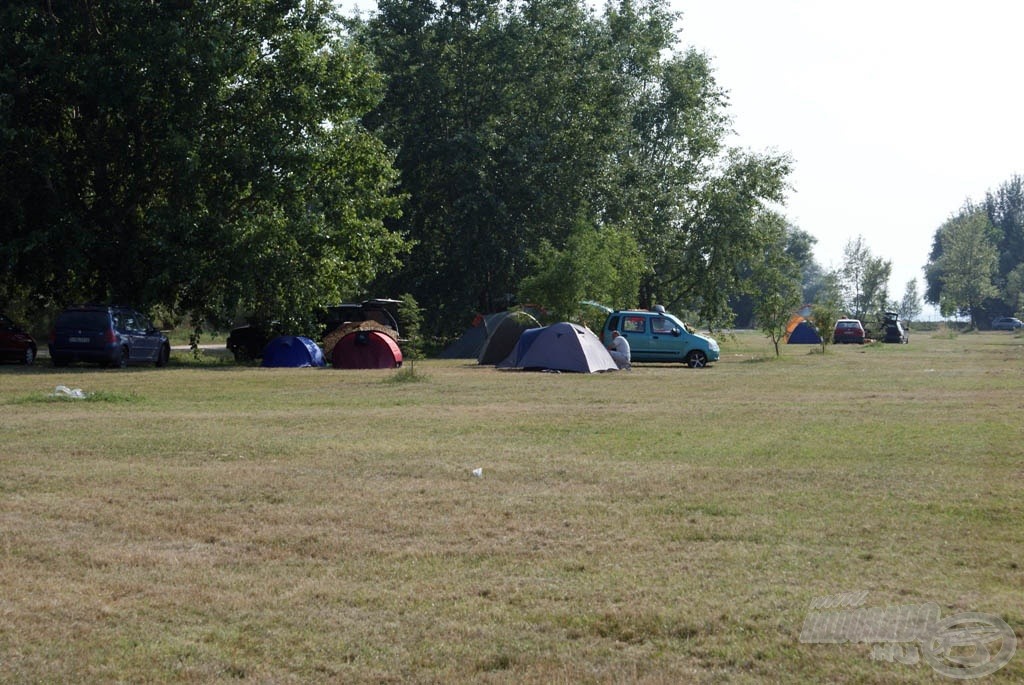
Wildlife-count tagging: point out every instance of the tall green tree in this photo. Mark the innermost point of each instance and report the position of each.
(514, 120)
(775, 283)
(828, 308)
(968, 262)
(202, 156)
(798, 246)
(910, 306)
(1004, 209)
(597, 264)
(496, 112)
(864, 279)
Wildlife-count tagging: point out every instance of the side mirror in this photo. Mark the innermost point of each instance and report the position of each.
(676, 332)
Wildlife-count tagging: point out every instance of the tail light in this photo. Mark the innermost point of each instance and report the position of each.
(110, 336)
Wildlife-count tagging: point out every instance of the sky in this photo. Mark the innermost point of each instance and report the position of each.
(895, 113)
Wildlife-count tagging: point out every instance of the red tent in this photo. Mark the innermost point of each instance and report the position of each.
(366, 350)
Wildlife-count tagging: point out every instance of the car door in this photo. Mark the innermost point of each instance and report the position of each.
(142, 345)
(667, 342)
(635, 330)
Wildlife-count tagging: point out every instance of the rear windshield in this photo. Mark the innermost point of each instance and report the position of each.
(91, 320)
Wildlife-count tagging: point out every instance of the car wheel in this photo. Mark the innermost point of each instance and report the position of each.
(122, 362)
(30, 356)
(696, 359)
(165, 354)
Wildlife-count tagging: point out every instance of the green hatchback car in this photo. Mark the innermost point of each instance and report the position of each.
(657, 336)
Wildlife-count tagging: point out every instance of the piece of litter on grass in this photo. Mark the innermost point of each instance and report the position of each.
(479, 473)
(65, 391)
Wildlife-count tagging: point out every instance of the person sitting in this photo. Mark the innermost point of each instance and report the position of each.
(619, 350)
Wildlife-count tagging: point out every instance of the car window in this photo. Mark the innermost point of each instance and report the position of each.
(613, 323)
(661, 325)
(634, 324)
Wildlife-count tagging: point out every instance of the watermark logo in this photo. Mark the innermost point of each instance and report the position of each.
(963, 646)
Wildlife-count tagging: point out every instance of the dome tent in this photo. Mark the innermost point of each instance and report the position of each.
(561, 347)
(366, 349)
(799, 331)
(292, 351)
(502, 338)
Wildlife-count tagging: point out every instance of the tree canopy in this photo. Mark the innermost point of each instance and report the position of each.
(986, 279)
(515, 123)
(967, 265)
(268, 157)
(204, 156)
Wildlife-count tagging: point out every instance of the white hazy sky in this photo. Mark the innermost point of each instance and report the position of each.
(895, 112)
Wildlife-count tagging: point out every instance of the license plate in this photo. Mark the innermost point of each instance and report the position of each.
(78, 340)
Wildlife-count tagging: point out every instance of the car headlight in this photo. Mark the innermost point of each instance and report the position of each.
(713, 345)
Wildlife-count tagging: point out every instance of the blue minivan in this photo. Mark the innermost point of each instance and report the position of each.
(111, 336)
(657, 336)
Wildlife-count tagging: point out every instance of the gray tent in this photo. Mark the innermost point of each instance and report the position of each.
(502, 338)
(472, 340)
(561, 347)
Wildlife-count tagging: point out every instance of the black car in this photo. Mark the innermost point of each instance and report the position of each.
(380, 310)
(106, 335)
(892, 329)
(15, 344)
(247, 342)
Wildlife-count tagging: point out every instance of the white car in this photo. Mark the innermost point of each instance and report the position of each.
(1006, 323)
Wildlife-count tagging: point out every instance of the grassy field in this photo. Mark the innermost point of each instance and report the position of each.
(213, 523)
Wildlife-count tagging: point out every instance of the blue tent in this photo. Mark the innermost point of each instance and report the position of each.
(292, 351)
(526, 339)
(560, 347)
(804, 334)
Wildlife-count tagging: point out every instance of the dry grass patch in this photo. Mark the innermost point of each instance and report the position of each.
(664, 525)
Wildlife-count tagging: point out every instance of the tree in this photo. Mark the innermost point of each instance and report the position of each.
(969, 260)
(864, 279)
(1004, 209)
(515, 121)
(910, 306)
(501, 117)
(1013, 290)
(775, 282)
(599, 264)
(206, 157)
(828, 308)
(411, 317)
(798, 246)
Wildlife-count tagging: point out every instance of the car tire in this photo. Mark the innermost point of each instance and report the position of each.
(29, 358)
(696, 359)
(163, 356)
